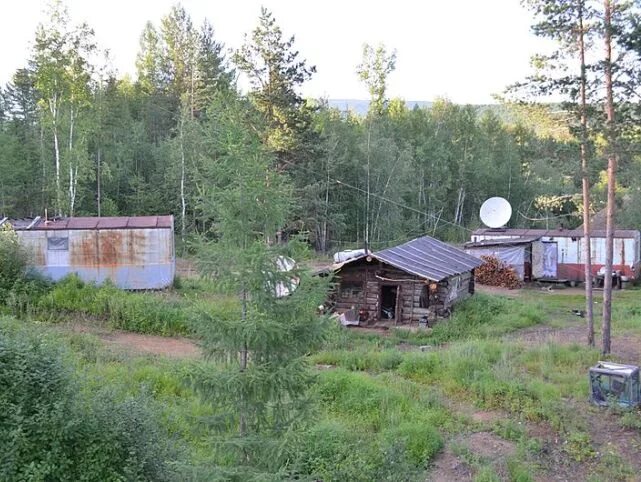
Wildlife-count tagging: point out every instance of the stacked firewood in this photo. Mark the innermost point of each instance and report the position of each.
(494, 272)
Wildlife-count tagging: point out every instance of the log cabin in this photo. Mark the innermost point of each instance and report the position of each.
(417, 282)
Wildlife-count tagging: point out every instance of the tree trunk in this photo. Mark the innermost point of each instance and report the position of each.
(612, 163)
(53, 108)
(44, 164)
(323, 244)
(183, 202)
(73, 179)
(242, 420)
(369, 134)
(587, 249)
(98, 181)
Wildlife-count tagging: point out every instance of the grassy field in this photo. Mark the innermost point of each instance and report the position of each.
(499, 392)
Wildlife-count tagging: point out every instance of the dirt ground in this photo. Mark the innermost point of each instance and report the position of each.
(456, 462)
(553, 462)
(172, 347)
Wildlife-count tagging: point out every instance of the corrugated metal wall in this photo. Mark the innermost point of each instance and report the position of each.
(134, 259)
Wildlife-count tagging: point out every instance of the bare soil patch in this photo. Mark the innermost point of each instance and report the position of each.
(448, 467)
(156, 345)
(484, 446)
(489, 446)
(173, 347)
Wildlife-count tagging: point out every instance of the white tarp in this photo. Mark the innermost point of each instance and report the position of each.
(550, 260)
(348, 254)
(513, 256)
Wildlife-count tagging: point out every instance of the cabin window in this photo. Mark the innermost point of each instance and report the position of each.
(58, 244)
(351, 289)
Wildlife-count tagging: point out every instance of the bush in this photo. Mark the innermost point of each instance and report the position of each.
(25, 294)
(485, 316)
(422, 442)
(137, 312)
(13, 260)
(51, 430)
(330, 451)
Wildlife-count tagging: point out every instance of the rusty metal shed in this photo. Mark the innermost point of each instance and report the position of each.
(135, 253)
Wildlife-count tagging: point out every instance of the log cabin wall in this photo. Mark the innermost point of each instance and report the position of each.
(361, 282)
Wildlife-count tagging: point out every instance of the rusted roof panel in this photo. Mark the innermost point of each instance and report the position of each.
(81, 223)
(144, 222)
(112, 223)
(428, 258)
(559, 233)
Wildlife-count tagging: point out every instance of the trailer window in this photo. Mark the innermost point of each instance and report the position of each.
(58, 244)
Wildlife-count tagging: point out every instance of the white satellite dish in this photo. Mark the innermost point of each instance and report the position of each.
(285, 287)
(496, 212)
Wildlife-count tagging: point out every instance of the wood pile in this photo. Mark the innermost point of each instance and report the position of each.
(494, 272)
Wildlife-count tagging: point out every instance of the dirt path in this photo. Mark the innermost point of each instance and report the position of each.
(172, 347)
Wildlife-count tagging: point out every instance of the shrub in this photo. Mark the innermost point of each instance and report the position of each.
(333, 452)
(420, 366)
(51, 430)
(485, 316)
(24, 296)
(13, 260)
(139, 312)
(422, 442)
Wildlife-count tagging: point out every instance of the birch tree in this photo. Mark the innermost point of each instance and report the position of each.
(62, 69)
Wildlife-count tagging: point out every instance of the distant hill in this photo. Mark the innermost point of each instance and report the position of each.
(360, 106)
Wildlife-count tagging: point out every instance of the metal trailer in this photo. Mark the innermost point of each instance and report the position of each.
(558, 253)
(134, 253)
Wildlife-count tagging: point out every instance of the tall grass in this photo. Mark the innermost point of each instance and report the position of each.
(160, 313)
(373, 428)
(137, 312)
(484, 316)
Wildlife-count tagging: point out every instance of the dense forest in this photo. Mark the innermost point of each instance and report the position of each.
(78, 139)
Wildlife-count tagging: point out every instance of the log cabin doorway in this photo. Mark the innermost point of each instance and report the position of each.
(389, 302)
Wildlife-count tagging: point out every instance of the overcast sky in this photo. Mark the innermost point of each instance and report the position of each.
(465, 50)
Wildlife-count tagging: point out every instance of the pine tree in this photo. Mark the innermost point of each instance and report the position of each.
(261, 381)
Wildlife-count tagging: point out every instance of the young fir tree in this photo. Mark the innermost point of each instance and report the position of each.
(261, 379)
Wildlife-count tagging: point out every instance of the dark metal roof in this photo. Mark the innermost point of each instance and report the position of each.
(428, 258)
(557, 233)
(80, 223)
(502, 242)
